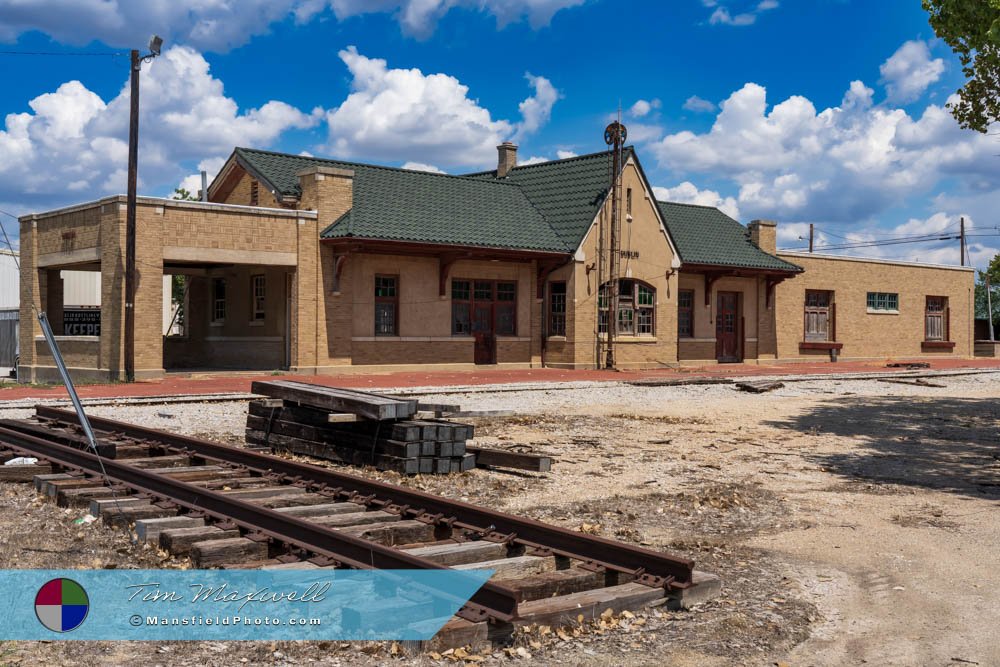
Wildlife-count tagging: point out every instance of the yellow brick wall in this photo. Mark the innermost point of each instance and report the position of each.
(73, 230)
(241, 193)
(874, 335)
(755, 316)
(424, 314)
(645, 236)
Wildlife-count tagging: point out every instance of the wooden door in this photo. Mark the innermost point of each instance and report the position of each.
(483, 323)
(727, 328)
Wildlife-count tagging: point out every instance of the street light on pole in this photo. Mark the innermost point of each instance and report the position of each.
(155, 45)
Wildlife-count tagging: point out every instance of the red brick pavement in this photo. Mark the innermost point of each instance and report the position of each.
(220, 383)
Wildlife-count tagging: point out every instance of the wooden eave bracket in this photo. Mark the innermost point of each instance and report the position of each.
(444, 268)
(769, 284)
(544, 269)
(338, 269)
(710, 279)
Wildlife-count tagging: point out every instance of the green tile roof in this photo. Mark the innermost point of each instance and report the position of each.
(706, 235)
(567, 192)
(422, 207)
(547, 206)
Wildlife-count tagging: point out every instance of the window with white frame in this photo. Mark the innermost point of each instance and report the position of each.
(636, 309)
(218, 300)
(258, 287)
(883, 302)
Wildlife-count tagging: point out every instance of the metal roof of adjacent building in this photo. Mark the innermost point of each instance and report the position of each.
(706, 235)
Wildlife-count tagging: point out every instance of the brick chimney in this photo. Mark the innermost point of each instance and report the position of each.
(764, 234)
(507, 158)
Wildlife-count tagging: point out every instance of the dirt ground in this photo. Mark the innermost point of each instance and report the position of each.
(851, 522)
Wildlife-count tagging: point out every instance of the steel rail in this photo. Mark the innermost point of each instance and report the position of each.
(490, 601)
(648, 566)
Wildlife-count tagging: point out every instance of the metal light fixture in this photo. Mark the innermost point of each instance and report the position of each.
(155, 44)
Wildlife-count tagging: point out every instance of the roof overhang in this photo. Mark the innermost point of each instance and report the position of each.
(737, 271)
(349, 244)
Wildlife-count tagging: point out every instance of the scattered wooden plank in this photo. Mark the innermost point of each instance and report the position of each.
(371, 406)
(677, 382)
(759, 386)
(908, 364)
(502, 458)
(916, 382)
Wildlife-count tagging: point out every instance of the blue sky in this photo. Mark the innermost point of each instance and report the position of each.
(805, 111)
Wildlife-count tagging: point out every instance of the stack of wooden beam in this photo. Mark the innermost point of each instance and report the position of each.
(356, 428)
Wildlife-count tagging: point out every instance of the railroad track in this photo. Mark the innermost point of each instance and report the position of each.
(226, 506)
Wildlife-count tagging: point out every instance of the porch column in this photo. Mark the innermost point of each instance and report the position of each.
(32, 286)
(112, 346)
(149, 292)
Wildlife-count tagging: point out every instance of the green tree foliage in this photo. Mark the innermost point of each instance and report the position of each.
(993, 273)
(183, 195)
(972, 29)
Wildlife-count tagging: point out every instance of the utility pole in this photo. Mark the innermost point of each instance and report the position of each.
(989, 306)
(614, 136)
(133, 167)
(961, 236)
(155, 44)
(810, 237)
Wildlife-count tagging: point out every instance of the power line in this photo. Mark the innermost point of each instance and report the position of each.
(63, 54)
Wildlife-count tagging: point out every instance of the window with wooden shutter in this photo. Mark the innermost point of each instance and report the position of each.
(936, 319)
(818, 315)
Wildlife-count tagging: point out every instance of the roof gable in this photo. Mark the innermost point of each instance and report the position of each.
(706, 235)
(568, 193)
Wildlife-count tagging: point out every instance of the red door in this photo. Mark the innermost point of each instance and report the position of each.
(727, 330)
(483, 329)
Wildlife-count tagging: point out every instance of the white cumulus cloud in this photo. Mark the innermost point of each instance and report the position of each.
(404, 114)
(72, 145)
(844, 163)
(688, 193)
(219, 25)
(420, 166)
(420, 17)
(722, 16)
(909, 71)
(643, 107)
(699, 105)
